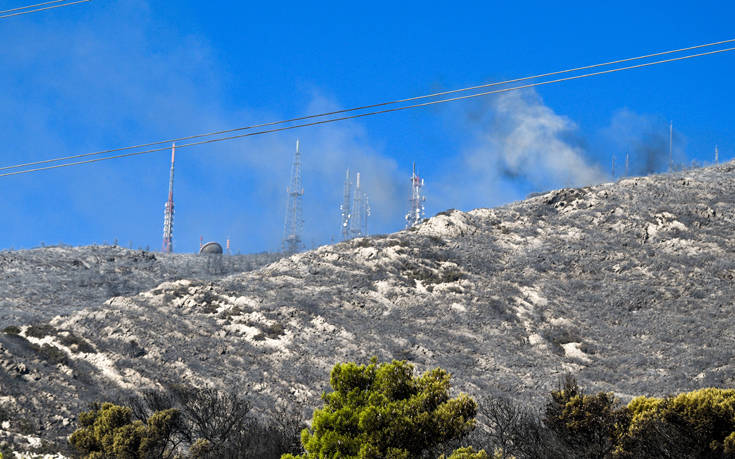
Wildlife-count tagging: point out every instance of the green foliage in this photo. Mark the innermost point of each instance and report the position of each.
(383, 411)
(108, 431)
(729, 445)
(466, 453)
(588, 424)
(701, 422)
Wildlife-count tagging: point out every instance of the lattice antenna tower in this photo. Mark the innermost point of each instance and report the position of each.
(360, 211)
(346, 208)
(416, 213)
(168, 211)
(294, 224)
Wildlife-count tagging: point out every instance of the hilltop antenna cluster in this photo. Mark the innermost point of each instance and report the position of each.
(416, 214)
(294, 224)
(168, 212)
(355, 209)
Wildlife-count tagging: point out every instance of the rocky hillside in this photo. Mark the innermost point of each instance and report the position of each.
(41, 283)
(627, 285)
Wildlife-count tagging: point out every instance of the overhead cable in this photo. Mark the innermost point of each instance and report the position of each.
(32, 6)
(364, 107)
(361, 115)
(26, 10)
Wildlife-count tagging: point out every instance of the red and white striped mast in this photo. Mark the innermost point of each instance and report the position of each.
(168, 213)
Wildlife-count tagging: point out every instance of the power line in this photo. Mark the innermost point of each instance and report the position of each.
(364, 107)
(388, 110)
(31, 6)
(18, 13)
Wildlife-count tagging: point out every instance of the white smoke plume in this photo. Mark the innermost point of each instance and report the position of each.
(517, 144)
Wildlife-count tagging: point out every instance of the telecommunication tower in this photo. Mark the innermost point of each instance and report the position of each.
(294, 223)
(168, 212)
(346, 208)
(416, 214)
(717, 156)
(360, 211)
(613, 166)
(671, 144)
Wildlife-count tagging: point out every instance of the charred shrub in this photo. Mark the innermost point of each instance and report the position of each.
(362, 242)
(11, 330)
(75, 343)
(40, 331)
(219, 424)
(51, 354)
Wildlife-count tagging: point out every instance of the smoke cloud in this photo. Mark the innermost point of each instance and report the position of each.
(646, 138)
(517, 145)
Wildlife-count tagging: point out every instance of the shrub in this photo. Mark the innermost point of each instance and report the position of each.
(466, 453)
(39, 331)
(75, 343)
(51, 354)
(217, 424)
(108, 431)
(384, 411)
(11, 330)
(701, 423)
(588, 424)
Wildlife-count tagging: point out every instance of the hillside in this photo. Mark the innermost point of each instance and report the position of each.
(627, 285)
(41, 283)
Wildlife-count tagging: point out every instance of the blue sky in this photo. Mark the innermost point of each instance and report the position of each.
(108, 74)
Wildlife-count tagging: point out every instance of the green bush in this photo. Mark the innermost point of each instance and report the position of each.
(466, 453)
(588, 424)
(700, 423)
(108, 431)
(383, 411)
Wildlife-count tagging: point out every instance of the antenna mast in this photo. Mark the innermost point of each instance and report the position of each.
(627, 162)
(613, 167)
(717, 156)
(294, 224)
(168, 212)
(346, 207)
(360, 211)
(671, 141)
(416, 214)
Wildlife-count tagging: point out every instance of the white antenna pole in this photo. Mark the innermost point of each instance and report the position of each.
(717, 156)
(627, 162)
(613, 167)
(671, 141)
